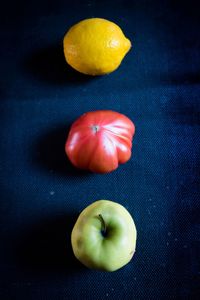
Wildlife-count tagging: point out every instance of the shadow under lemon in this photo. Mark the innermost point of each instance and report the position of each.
(48, 65)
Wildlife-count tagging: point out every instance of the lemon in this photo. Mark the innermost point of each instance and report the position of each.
(95, 46)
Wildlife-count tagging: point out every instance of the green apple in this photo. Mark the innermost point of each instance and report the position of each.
(104, 236)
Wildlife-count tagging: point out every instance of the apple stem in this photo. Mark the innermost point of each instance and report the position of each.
(103, 225)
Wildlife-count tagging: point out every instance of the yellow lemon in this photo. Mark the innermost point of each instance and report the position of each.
(95, 46)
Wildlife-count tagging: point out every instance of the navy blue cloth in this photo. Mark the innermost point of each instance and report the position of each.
(158, 87)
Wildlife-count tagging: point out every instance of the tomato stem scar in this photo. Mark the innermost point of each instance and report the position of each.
(95, 128)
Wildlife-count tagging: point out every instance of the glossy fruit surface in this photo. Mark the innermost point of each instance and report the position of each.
(100, 140)
(95, 46)
(104, 236)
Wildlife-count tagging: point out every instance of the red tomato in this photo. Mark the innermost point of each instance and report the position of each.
(100, 140)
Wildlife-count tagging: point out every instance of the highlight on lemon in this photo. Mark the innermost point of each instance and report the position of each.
(95, 46)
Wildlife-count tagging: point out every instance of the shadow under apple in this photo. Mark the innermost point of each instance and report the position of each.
(45, 247)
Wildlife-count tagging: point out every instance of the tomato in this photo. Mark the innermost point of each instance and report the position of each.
(100, 140)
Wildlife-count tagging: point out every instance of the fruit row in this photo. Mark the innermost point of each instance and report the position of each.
(99, 141)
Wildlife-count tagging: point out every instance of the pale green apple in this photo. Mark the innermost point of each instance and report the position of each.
(104, 236)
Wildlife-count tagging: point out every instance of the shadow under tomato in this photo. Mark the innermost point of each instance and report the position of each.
(49, 154)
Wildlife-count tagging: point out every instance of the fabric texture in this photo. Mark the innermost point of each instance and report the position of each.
(157, 86)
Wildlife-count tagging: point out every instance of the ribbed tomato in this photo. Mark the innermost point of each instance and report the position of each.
(100, 140)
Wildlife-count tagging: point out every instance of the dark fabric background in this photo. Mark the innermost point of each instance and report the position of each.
(158, 87)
